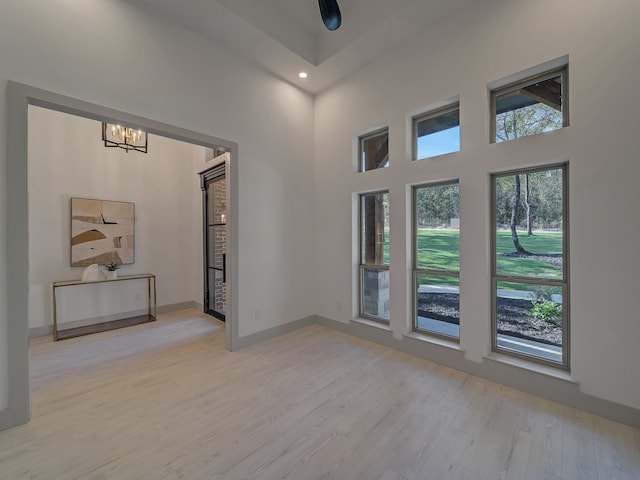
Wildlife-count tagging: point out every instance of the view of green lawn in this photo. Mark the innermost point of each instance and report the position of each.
(439, 249)
(541, 243)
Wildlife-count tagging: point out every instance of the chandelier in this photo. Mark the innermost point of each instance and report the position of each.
(127, 138)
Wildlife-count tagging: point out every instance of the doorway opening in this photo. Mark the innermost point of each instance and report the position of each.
(20, 96)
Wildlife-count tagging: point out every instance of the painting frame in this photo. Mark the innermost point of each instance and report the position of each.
(102, 231)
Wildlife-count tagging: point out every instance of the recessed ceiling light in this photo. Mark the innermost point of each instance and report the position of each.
(303, 75)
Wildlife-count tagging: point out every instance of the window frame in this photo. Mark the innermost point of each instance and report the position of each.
(361, 263)
(563, 283)
(415, 271)
(364, 138)
(449, 108)
(563, 71)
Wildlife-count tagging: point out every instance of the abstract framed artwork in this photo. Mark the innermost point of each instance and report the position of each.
(102, 231)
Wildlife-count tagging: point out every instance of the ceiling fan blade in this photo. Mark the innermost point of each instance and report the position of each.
(330, 12)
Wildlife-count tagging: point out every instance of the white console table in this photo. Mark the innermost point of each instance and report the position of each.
(150, 316)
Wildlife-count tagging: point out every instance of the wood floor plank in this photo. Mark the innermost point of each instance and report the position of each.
(166, 401)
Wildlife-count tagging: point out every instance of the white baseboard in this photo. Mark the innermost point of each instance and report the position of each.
(45, 330)
(273, 332)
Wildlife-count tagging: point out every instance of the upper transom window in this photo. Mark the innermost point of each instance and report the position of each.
(437, 132)
(531, 106)
(374, 150)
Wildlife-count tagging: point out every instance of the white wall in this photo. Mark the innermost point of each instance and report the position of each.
(68, 159)
(494, 39)
(114, 54)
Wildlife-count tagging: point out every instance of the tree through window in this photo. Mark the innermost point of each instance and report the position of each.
(530, 277)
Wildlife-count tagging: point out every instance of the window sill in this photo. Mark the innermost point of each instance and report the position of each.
(435, 340)
(531, 366)
(372, 323)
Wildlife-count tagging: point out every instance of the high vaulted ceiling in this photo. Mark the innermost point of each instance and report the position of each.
(288, 36)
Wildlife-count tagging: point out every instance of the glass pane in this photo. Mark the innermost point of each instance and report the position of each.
(375, 293)
(533, 109)
(529, 224)
(217, 245)
(212, 281)
(438, 135)
(438, 305)
(217, 201)
(220, 244)
(217, 291)
(374, 151)
(529, 319)
(438, 227)
(375, 228)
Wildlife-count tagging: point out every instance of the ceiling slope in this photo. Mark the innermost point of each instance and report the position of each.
(287, 36)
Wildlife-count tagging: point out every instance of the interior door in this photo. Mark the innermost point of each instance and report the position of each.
(214, 188)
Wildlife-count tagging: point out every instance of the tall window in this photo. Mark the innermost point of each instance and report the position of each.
(374, 150)
(436, 259)
(534, 105)
(374, 256)
(437, 133)
(530, 275)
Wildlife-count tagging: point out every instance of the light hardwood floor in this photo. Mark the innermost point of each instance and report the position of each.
(166, 401)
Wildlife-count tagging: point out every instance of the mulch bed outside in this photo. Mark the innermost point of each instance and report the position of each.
(514, 317)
